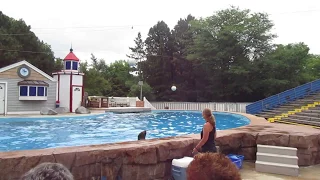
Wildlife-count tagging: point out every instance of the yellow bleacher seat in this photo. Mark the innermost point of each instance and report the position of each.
(271, 120)
(311, 105)
(291, 112)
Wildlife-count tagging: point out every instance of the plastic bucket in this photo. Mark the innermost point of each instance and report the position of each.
(236, 159)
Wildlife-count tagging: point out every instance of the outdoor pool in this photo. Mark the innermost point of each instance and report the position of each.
(49, 132)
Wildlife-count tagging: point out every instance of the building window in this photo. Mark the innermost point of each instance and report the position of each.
(23, 90)
(74, 65)
(33, 92)
(41, 91)
(68, 65)
(71, 65)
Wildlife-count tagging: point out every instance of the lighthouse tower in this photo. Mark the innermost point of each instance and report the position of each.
(70, 83)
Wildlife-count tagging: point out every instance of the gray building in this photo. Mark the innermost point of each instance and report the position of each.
(25, 89)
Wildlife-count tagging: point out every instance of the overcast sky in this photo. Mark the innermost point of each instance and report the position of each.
(104, 28)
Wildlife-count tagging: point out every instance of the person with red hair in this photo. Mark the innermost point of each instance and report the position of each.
(212, 166)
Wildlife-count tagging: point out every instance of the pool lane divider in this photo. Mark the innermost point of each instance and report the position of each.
(278, 118)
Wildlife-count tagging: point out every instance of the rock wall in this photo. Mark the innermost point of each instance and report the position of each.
(244, 141)
(151, 159)
(147, 159)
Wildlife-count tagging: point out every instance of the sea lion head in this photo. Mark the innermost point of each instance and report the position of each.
(142, 135)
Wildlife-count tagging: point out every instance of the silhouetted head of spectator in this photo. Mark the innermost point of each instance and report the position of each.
(48, 171)
(212, 166)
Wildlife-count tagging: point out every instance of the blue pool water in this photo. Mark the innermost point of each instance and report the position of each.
(48, 132)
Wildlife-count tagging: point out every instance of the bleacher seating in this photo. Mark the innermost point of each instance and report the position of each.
(300, 105)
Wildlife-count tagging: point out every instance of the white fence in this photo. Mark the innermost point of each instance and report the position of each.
(214, 106)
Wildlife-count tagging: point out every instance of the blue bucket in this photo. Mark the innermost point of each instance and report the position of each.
(236, 159)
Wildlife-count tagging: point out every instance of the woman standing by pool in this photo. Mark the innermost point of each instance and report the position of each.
(208, 134)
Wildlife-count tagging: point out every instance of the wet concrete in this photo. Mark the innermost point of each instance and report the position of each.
(306, 173)
(93, 112)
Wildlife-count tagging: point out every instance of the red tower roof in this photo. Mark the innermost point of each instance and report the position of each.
(71, 56)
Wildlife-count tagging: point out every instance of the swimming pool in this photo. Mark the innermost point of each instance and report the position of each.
(49, 132)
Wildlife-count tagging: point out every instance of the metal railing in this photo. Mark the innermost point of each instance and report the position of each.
(215, 106)
(284, 97)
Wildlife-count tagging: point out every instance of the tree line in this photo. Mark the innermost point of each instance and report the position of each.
(229, 56)
(114, 79)
(18, 42)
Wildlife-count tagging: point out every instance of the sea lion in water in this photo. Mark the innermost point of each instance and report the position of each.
(142, 135)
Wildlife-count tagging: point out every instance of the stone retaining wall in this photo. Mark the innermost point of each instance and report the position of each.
(244, 141)
(148, 159)
(151, 159)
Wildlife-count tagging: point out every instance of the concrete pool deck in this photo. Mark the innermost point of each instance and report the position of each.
(93, 112)
(306, 173)
(151, 159)
(124, 109)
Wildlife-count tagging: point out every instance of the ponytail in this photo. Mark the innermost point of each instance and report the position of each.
(212, 120)
(209, 117)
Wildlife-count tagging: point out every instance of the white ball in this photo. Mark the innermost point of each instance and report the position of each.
(173, 88)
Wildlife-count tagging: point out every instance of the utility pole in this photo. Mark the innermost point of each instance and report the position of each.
(141, 84)
(140, 79)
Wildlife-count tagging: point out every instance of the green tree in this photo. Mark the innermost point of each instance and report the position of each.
(157, 70)
(138, 52)
(118, 73)
(284, 68)
(18, 42)
(226, 45)
(135, 89)
(312, 68)
(184, 75)
(99, 65)
(58, 65)
(113, 80)
(95, 82)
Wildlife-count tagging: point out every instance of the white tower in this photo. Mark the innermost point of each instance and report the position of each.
(70, 83)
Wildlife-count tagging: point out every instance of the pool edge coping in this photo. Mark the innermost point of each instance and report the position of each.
(254, 120)
(117, 145)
